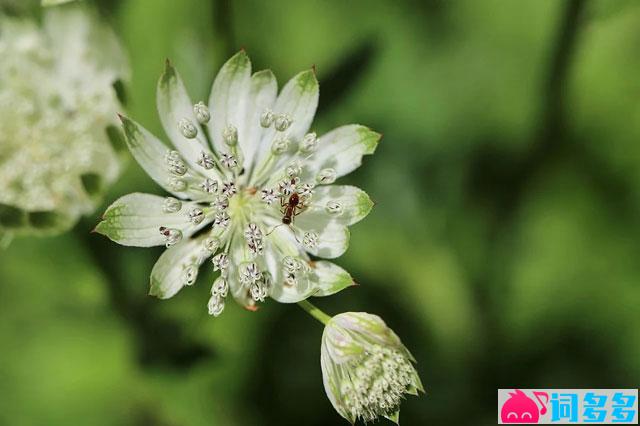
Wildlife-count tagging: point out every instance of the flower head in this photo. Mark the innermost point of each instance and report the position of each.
(366, 370)
(246, 172)
(57, 116)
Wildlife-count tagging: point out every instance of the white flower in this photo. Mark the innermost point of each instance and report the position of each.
(57, 116)
(366, 370)
(274, 203)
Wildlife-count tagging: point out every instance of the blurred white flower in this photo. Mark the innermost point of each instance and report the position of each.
(366, 369)
(247, 181)
(57, 106)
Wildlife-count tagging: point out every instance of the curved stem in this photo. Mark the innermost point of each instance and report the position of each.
(314, 311)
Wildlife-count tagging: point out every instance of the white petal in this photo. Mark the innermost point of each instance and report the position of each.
(135, 219)
(228, 99)
(298, 99)
(341, 150)
(354, 204)
(174, 104)
(167, 275)
(150, 154)
(333, 237)
(237, 255)
(329, 278)
(262, 96)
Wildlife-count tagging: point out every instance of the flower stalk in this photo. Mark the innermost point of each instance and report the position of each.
(314, 311)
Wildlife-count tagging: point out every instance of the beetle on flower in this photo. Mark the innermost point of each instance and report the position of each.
(232, 169)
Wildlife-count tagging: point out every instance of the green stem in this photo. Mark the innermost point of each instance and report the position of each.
(314, 311)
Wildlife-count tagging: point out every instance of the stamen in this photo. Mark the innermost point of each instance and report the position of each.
(268, 196)
(187, 128)
(177, 184)
(306, 190)
(280, 145)
(229, 189)
(250, 274)
(310, 239)
(175, 164)
(206, 161)
(220, 287)
(209, 185)
(282, 122)
(294, 169)
(220, 262)
(309, 143)
(326, 176)
(220, 203)
(288, 187)
(266, 119)
(291, 264)
(222, 219)
(215, 306)
(190, 274)
(171, 236)
(334, 208)
(230, 135)
(202, 113)
(229, 161)
(171, 205)
(253, 236)
(196, 215)
(211, 244)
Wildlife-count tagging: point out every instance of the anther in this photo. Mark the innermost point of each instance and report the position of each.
(209, 185)
(171, 236)
(202, 113)
(195, 215)
(326, 176)
(171, 205)
(280, 145)
(282, 122)
(266, 118)
(230, 135)
(309, 143)
(206, 161)
(187, 128)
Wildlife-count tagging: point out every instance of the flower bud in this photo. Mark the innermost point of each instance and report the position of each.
(365, 367)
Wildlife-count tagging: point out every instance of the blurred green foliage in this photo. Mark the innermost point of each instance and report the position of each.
(503, 248)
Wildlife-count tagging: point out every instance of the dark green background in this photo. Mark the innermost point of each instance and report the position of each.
(503, 248)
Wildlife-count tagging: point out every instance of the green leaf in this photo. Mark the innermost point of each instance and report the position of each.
(395, 417)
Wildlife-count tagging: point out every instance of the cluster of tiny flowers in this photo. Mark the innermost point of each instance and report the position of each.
(56, 105)
(382, 376)
(367, 371)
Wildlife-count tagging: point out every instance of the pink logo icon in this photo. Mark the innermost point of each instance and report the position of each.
(519, 408)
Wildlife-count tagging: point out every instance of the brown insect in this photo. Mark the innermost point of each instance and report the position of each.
(291, 208)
